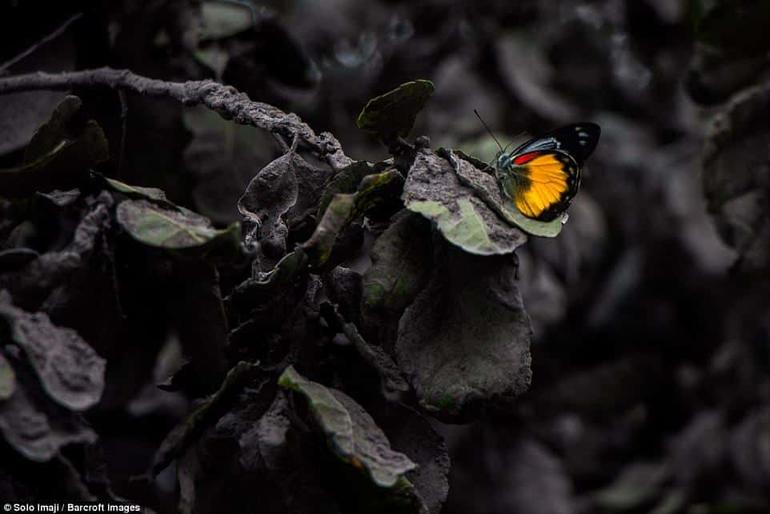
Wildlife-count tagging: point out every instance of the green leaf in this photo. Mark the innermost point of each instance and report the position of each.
(394, 112)
(69, 370)
(178, 229)
(435, 190)
(464, 341)
(350, 430)
(7, 379)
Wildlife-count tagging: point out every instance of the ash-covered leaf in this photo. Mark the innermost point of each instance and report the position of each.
(411, 432)
(401, 262)
(173, 229)
(347, 180)
(70, 371)
(59, 155)
(434, 190)
(268, 197)
(736, 182)
(7, 379)
(393, 113)
(147, 193)
(37, 429)
(194, 294)
(271, 193)
(52, 132)
(205, 415)
(21, 114)
(335, 219)
(392, 382)
(350, 430)
(41, 277)
(223, 157)
(270, 434)
(251, 460)
(344, 208)
(464, 341)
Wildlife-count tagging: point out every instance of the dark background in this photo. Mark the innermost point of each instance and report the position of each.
(651, 344)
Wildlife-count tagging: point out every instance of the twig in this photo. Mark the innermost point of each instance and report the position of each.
(225, 100)
(53, 35)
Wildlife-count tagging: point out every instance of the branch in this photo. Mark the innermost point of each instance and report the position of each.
(225, 100)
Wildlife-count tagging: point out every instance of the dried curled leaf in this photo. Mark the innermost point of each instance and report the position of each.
(351, 432)
(70, 371)
(394, 112)
(271, 193)
(177, 229)
(434, 190)
(464, 342)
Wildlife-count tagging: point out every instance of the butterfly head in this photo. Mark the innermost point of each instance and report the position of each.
(504, 161)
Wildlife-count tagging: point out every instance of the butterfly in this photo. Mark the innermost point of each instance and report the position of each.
(542, 176)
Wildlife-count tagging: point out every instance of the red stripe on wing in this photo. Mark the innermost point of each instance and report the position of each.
(525, 158)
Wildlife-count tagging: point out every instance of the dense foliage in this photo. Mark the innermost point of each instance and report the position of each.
(206, 306)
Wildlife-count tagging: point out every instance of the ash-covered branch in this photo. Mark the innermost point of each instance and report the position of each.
(225, 100)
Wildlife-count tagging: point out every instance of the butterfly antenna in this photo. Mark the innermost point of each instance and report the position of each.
(488, 129)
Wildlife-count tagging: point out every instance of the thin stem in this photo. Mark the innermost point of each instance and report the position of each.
(50, 37)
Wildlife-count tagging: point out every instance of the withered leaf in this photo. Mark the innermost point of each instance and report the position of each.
(70, 371)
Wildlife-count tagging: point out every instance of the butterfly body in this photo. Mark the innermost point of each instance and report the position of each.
(543, 175)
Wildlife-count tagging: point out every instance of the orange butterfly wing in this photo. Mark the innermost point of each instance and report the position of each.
(546, 182)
